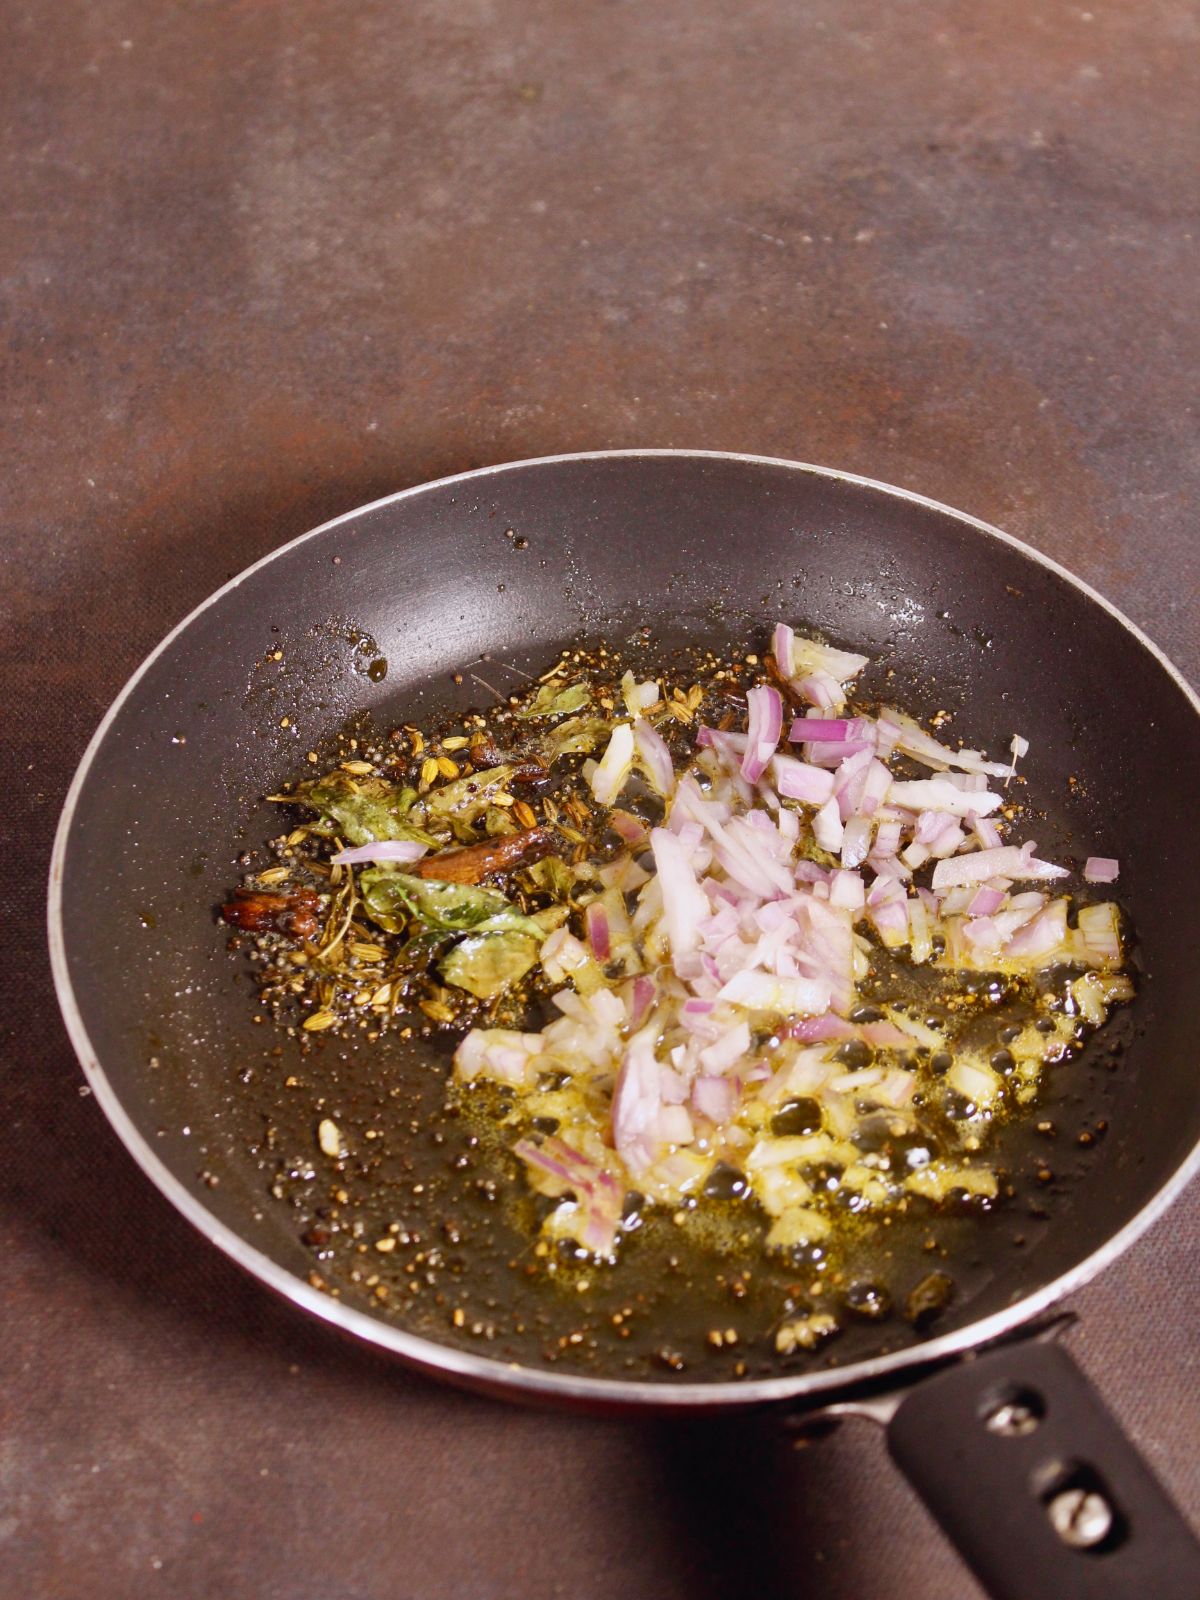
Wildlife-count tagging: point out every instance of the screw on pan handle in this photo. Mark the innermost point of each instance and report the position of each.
(1031, 1477)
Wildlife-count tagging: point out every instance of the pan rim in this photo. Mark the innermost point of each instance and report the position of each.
(488, 1372)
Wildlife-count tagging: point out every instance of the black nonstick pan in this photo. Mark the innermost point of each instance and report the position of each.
(483, 578)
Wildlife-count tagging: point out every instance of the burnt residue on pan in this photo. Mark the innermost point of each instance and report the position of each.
(414, 1209)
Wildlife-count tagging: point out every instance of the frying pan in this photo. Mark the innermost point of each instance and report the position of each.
(492, 572)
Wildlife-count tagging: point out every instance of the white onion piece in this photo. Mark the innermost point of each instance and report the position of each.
(675, 1125)
(761, 991)
(856, 842)
(821, 690)
(608, 779)
(797, 780)
(784, 643)
(684, 902)
(827, 828)
(382, 850)
(1101, 869)
(764, 732)
(638, 697)
(1006, 862)
(636, 1104)
(726, 1051)
(715, 1098)
(846, 889)
(654, 757)
(939, 794)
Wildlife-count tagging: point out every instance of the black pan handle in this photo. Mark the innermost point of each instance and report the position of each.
(1031, 1477)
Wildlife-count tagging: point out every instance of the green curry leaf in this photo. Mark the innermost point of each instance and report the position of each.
(552, 700)
(552, 876)
(390, 896)
(486, 964)
(576, 736)
(363, 810)
(463, 800)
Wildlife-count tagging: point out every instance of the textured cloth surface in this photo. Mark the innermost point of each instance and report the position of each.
(263, 262)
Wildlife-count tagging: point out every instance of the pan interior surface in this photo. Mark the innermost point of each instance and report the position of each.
(374, 614)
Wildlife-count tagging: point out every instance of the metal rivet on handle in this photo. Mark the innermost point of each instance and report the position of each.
(1081, 1518)
(1012, 1418)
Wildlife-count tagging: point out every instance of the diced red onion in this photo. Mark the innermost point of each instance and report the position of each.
(986, 831)
(632, 829)
(636, 1104)
(797, 780)
(675, 1125)
(596, 921)
(1006, 862)
(654, 757)
(1041, 936)
(608, 778)
(829, 730)
(821, 690)
(762, 991)
(382, 850)
(815, 1030)
(846, 889)
(684, 902)
(765, 729)
(939, 794)
(641, 998)
(985, 901)
(887, 838)
(783, 641)
(827, 827)
(726, 1051)
(1101, 869)
(715, 1098)
(856, 842)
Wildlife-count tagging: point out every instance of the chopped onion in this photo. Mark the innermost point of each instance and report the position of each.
(762, 991)
(1101, 869)
(638, 697)
(609, 777)
(726, 1051)
(823, 730)
(821, 690)
(765, 729)
(846, 889)
(984, 901)
(632, 829)
(827, 828)
(636, 1104)
(715, 1098)
(939, 794)
(596, 919)
(856, 842)
(797, 780)
(1006, 862)
(784, 641)
(684, 902)
(382, 850)
(654, 757)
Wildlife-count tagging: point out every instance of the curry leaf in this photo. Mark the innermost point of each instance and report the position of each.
(465, 799)
(576, 736)
(363, 810)
(552, 700)
(486, 964)
(388, 896)
(552, 876)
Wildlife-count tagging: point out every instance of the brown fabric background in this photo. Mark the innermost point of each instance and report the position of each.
(264, 261)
